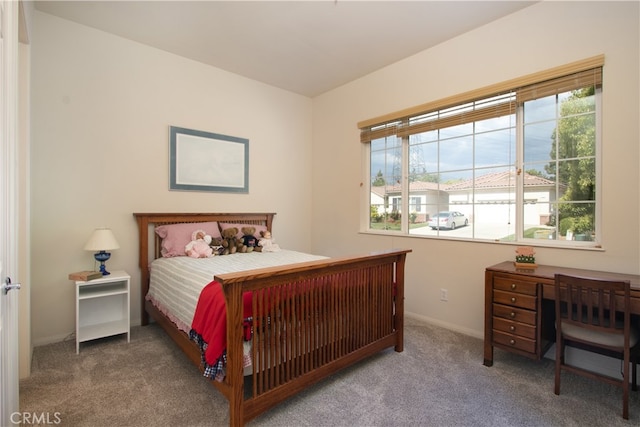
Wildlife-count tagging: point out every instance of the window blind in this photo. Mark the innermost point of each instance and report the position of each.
(489, 102)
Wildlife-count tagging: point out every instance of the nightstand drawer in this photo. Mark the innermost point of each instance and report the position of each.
(507, 283)
(514, 341)
(515, 299)
(515, 328)
(515, 314)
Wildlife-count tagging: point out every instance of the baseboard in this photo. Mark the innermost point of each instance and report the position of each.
(70, 336)
(446, 325)
(53, 339)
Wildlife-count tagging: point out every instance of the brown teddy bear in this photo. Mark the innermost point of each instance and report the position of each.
(230, 243)
(249, 240)
(216, 246)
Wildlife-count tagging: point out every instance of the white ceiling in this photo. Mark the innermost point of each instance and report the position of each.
(306, 47)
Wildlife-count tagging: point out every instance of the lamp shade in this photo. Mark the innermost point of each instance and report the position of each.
(102, 239)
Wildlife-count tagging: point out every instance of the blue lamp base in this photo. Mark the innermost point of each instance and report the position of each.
(102, 256)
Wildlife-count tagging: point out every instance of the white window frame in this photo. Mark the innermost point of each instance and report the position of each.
(519, 187)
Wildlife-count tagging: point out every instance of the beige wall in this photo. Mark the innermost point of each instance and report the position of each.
(101, 111)
(101, 108)
(539, 37)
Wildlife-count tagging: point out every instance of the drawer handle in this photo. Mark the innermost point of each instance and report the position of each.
(513, 299)
(513, 286)
(512, 328)
(512, 314)
(512, 342)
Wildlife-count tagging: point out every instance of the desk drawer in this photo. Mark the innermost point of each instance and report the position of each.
(508, 283)
(515, 328)
(514, 341)
(515, 314)
(515, 299)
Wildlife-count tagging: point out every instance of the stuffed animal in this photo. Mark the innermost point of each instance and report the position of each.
(248, 239)
(199, 247)
(267, 243)
(240, 246)
(231, 243)
(216, 246)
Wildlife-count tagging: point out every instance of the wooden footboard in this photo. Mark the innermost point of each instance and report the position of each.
(309, 319)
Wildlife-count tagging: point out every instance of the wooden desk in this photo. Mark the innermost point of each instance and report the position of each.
(519, 306)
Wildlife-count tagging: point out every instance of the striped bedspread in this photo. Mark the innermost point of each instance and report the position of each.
(176, 283)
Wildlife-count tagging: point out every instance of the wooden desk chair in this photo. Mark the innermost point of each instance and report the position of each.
(590, 318)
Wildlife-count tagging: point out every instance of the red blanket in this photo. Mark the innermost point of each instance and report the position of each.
(210, 320)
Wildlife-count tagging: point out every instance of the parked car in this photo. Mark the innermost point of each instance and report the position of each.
(448, 219)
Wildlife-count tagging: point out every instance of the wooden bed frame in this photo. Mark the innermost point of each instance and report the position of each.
(319, 317)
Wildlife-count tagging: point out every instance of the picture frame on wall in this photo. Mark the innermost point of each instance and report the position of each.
(205, 161)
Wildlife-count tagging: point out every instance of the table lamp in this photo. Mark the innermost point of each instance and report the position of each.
(102, 240)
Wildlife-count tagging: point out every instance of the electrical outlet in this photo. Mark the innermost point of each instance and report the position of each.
(444, 295)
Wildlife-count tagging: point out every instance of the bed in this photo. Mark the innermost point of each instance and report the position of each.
(308, 319)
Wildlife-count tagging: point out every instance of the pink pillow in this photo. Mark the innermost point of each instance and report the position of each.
(176, 236)
(259, 228)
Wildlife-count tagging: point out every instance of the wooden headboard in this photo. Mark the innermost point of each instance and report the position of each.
(150, 243)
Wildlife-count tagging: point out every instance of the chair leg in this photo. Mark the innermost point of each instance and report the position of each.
(559, 362)
(625, 387)
(634, 371)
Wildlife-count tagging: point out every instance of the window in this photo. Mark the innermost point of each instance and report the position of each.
(514, 162)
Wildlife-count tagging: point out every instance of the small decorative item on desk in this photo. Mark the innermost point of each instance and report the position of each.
(525, 257)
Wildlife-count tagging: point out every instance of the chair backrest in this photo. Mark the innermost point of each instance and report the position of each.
(603, 306)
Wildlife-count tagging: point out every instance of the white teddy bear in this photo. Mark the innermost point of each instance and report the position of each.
(199, 247)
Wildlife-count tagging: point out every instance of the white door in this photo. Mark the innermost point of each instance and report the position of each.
(8, 351)
(8, 193)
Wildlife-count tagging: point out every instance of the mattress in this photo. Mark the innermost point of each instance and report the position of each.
(175, 283)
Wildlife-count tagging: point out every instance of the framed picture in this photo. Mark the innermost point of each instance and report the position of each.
(204, 161)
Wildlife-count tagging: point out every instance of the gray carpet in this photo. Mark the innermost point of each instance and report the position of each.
(438, 380)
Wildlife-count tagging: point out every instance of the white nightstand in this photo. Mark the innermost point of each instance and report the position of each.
(102, 307)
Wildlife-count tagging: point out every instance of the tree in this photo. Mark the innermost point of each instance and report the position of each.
(379, 180)
(535, 172)
(573, 149)
(424, 177)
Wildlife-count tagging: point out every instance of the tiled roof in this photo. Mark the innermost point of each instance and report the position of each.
(414, 186)
(491, 180)
(498, 180)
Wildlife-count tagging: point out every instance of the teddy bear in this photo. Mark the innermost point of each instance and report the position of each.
(199, 247)
(248, 239)
(267, 243)
(216, 246)
(231, 243)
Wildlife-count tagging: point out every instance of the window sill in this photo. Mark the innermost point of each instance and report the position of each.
(540, 243)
